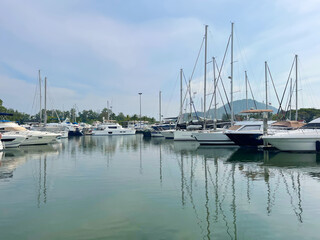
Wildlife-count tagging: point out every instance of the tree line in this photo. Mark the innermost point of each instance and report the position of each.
(87, 116)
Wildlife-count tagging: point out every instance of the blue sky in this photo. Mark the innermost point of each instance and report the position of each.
(94, 51)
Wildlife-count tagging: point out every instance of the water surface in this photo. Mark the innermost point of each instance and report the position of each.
(125, 187)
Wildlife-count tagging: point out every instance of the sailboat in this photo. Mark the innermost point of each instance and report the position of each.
(217, 135)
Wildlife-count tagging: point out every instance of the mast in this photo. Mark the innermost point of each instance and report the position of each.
(190, 99)
(159, 106)
(205, 77)
(40, 113)
(246, 78)
(290, 98)
(215, 93)
(296, 87)
(45, 101)
(266, 80)
(232, 117)
(181, 104)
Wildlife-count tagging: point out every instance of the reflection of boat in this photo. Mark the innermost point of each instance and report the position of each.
(246, 155)
(185, 146)
(286, 159)
(216, 151)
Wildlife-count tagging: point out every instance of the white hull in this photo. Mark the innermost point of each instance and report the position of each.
(113, 132)
(11, 140)
(293, 143)
(212, 138)
(1, 146)
(37, 137)
(184, 135)
(156, 134)
(168, 134)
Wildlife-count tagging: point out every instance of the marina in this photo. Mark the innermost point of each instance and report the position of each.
(120, 187)
(138, 120)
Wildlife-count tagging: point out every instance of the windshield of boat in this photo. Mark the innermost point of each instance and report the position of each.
(311, 126)
(250, 128)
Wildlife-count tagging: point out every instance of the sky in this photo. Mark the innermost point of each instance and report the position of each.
(93, 52)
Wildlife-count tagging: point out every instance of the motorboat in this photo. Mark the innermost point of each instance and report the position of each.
(306, 138)
(217, 136)
(250, 134)
(1, 145)
(186, 134)
(168, 134)
(110, 129)
(31, 137)
(10, 140)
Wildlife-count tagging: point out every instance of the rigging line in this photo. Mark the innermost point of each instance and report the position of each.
(286, 85)
(189, 91)
(224, 106)
(219, 73)
(195, 65)
(275, 90)
(34, 97)
(254, 101)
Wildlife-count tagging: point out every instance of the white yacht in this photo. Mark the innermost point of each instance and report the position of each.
(31, 137)
(1, 145)
(110, 129)
(306, 138)
(168, 134)
(10, 140)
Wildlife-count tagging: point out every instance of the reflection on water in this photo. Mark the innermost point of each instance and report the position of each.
(128, 187)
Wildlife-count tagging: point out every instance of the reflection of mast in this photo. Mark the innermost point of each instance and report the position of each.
(207, 198)
(182, 181)
(234, 202)
(160, 166)
(297, 213)
(140, 155)
(44, 181)
(39, 183)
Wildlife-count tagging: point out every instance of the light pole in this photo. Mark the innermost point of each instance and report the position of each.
(140, 110)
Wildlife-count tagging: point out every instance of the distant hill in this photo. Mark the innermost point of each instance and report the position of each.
(238, 106)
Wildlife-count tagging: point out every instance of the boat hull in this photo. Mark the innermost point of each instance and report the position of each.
(300, 144)
(184, 136)
(213, 138)
(246, 139)
(113, 132)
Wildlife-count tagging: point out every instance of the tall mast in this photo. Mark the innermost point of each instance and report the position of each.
(159, 106)
(45, 101)
(266, 79)
(190, 98)
(232, 117)
(291, 90)
(40, 113)
(296, 87)
(246, 78)
(205, 78)
(181, 104)
(215, 93)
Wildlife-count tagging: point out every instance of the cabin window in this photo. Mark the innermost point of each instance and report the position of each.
(250, 128)
(112, 127)
(311, 126)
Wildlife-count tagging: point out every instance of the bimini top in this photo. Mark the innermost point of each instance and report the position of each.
(257, 111)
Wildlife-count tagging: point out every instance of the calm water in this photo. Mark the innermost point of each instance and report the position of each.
(129, 188)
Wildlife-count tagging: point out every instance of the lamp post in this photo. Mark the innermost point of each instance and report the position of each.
(140, 110)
